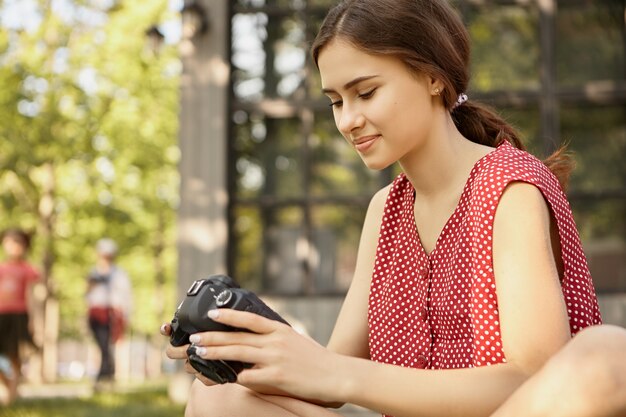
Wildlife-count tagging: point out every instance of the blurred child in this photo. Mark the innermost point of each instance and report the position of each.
(16, 279)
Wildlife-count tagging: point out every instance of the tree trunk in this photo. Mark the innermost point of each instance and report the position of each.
(50, 307)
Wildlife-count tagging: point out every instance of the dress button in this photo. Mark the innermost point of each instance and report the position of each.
(424, 313)
(421, 362)
(424, 272)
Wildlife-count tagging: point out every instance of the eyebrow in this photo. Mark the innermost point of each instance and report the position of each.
(350, 84)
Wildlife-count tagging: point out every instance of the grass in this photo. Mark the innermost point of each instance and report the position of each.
(139, 402)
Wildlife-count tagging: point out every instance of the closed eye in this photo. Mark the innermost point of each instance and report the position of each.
(364, 96)
(367, 94)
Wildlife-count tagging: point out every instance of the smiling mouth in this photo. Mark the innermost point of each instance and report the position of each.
(362, 144)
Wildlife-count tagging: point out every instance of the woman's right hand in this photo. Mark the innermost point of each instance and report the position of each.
(180, 352)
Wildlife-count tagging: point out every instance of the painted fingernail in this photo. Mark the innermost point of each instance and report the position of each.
(200, 351)
(163, 329)
(213, 314)
(194, 338)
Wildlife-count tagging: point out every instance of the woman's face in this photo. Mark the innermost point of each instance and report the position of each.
(381, 108)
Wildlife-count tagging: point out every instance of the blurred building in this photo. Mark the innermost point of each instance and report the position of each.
(273, 196)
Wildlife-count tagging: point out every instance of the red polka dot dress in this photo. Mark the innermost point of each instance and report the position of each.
(440, 310)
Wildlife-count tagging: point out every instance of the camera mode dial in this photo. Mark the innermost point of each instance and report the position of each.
(223, 298)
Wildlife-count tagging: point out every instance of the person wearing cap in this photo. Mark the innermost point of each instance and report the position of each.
(109, 302)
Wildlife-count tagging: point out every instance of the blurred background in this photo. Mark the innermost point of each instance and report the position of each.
(195, 134)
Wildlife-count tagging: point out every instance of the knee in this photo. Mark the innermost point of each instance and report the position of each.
(216, 400)
(603, 356)
(591, 370)
(599, 352)
(200, 396)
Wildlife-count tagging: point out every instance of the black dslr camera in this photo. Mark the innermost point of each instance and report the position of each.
(217, 291)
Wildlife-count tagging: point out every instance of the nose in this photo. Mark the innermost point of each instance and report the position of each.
(349, 119)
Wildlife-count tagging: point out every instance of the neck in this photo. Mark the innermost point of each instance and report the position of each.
(104, 265)
(442, 164)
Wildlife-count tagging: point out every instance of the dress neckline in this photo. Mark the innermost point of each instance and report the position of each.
(457, 208)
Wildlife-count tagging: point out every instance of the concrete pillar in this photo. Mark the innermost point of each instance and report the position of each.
(202, 215)
(202, 221)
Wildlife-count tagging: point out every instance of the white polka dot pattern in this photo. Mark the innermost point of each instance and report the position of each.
(440, 310)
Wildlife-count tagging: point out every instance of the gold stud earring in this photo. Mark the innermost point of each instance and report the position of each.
(437, 91)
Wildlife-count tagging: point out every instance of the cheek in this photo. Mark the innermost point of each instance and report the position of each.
(392, 108)
(336, 119)
(336, 116)
(411, 112)
(402, 117)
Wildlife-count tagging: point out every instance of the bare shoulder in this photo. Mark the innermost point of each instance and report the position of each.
(522, 205)
(371, 225)
(521, 227)
(377, 203)
(520, 195)
(381, 196)
(374, 216)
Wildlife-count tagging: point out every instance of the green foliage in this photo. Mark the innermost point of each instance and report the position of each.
(84, 93)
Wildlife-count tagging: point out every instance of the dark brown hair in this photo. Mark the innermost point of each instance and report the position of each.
(430, 38)
(18, 235)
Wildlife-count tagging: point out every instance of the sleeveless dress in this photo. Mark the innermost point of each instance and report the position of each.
(440, 310)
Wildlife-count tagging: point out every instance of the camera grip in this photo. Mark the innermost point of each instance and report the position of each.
(220, 372)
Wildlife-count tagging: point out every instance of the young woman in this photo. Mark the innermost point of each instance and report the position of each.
(470, 273)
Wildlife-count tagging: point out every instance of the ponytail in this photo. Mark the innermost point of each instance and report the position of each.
(481, 124)
(561, 163)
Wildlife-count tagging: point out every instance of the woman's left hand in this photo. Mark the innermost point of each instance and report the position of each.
(284, 361)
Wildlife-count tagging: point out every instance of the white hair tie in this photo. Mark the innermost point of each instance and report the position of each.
(460, 100)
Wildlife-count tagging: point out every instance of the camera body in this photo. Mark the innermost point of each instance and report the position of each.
(216, 291)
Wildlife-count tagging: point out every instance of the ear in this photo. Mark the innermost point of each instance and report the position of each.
(435, 86)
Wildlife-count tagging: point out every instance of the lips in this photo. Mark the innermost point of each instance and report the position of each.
(363, 143)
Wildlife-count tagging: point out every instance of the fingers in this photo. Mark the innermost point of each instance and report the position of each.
(166, 329)
(245, 320)
(225, 338)
(176, 352)
(254, 376)
(206, 381)
(237, 345)
(241, 353)
(180, 352)
(191, 370)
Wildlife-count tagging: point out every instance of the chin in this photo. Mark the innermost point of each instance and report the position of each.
(376, 165)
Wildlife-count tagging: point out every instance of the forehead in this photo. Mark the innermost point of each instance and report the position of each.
(13, 239)
(340, 62)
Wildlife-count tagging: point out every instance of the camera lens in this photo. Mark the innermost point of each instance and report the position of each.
(223, 298)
